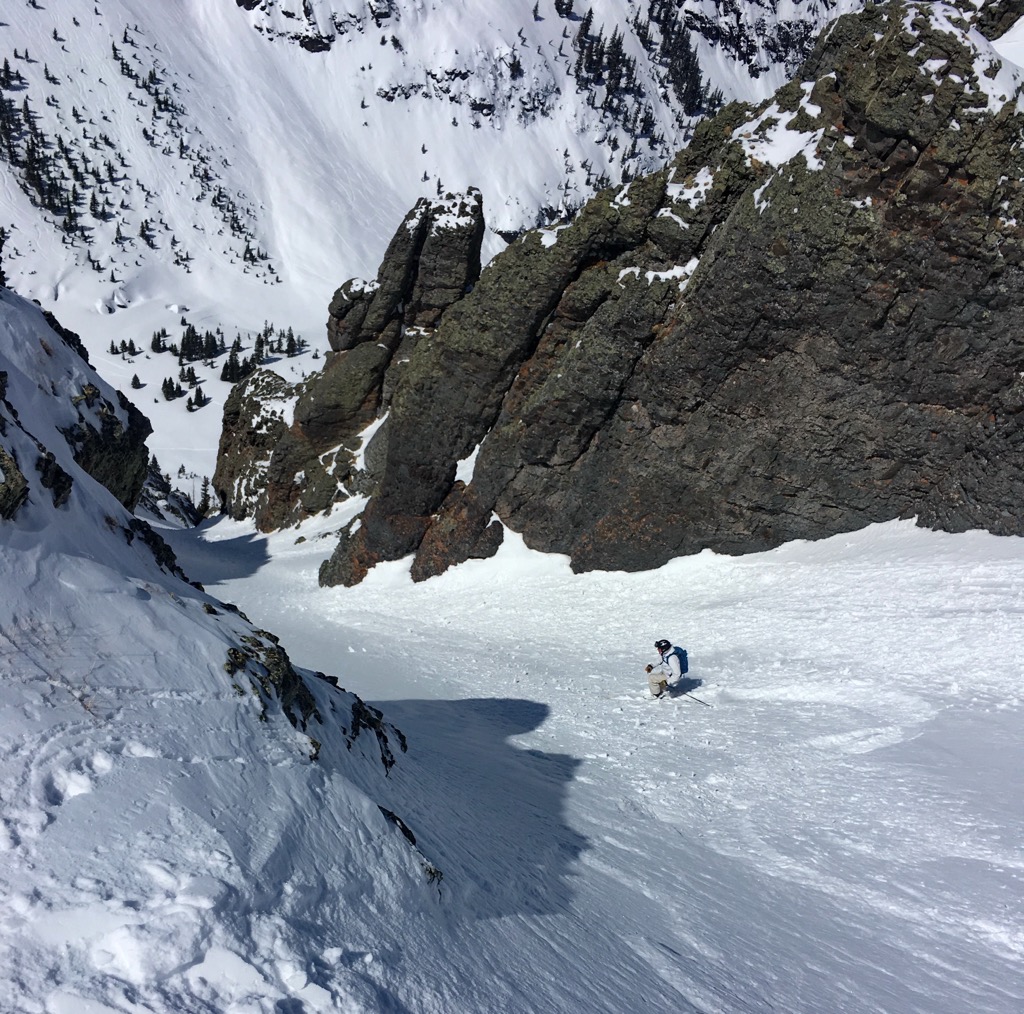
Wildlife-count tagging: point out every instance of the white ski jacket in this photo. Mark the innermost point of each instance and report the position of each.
(670, 667)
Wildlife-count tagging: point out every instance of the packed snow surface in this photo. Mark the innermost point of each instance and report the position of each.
(829, 819)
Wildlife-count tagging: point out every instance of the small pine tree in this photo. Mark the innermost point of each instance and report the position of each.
(204, 497)
(136, 383)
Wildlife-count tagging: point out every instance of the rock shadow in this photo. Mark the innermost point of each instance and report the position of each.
(212, 562)
(489, 814)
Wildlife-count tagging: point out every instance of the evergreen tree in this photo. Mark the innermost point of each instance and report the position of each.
(204, 497)
(230, 370)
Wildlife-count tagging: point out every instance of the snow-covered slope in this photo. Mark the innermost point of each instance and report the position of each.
(176, 804)
(829, 821)
(206, 125)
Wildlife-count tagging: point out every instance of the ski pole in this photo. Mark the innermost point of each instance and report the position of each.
(698, 700)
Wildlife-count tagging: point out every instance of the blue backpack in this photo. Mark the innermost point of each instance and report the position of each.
(684, 662)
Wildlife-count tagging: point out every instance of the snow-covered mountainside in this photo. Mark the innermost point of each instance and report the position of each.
(822, 817)
(227, 165)
(140, 719)
(242, 158)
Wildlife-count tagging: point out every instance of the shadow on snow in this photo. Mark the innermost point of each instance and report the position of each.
(211, 563)
(684, 686)
(489, 814)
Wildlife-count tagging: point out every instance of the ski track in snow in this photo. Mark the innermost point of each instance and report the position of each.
(840, 830)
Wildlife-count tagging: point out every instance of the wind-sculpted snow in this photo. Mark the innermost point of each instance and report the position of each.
(178, 800)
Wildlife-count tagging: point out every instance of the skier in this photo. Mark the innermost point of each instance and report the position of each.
(669, 670)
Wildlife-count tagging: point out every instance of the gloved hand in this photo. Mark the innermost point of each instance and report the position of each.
(650, 668)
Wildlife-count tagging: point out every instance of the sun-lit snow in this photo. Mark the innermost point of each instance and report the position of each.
(826, 816)
(167, 835)
(829, 819)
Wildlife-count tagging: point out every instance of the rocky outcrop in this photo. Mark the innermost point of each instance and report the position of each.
(13, 486)
(253, 425)
(280, 472)
(110, 442)
(104, 431)
(809, 321)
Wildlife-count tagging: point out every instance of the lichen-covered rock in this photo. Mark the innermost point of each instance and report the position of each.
(808, 321)
(463, 529)
(112, 451)
(13, 486)
(431, 262)
(255, 414)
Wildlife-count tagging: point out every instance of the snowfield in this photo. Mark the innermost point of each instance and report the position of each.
(827, 816)
(835, 825)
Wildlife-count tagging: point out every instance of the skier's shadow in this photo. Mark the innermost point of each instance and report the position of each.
(684, 686)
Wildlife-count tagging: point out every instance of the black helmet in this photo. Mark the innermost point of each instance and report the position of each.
(663, 645)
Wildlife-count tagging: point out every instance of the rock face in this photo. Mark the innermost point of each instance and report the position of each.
(111, 451)
(281, 472)
(104, 431)
(809, 321)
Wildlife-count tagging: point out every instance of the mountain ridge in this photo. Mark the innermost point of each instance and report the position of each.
(820, 284)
